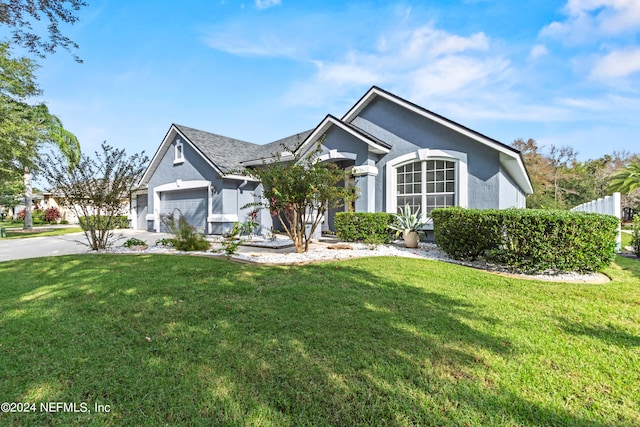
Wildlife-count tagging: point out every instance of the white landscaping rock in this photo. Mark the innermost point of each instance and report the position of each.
(357, 250)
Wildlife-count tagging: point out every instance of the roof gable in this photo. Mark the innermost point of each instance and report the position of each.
(510, 157)
(224, 154)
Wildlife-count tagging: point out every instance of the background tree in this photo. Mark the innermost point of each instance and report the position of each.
(561, 159)
(95, 189)
(560, 181)
(17, 85)
(21, 14)
(10, 192)
(26, 129)
(48, 130)
(540, 172)
(300, 192)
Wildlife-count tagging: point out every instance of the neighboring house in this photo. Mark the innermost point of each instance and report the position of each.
(51, 200)
(397, 152)
(54, 200)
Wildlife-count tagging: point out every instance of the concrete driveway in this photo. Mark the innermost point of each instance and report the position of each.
(68, 244)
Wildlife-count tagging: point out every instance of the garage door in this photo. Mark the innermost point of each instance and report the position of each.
(192, 204)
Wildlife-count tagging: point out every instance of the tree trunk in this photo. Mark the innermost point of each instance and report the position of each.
(28, 221)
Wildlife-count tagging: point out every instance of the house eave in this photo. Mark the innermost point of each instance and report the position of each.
(373, 146)
(509, 156)
(164, 146)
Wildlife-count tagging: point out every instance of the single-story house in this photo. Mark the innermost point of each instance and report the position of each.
(398, 153)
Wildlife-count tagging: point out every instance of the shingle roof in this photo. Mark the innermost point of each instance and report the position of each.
(229, 153)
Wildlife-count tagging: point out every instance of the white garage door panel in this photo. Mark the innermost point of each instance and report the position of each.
(192, 204)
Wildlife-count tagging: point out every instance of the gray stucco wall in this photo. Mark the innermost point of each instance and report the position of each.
(227, 198)
(345, 143)
(408, 132)
(194, 167)
(510, 194)
(338, 139)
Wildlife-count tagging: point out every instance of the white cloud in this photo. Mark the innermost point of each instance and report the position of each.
(617, 64)
(265, 4)
(345, 74)
(242, 44)
(538, 51)
(589, 19)
(425, 62)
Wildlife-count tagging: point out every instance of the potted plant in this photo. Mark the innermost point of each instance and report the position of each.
(409, 225)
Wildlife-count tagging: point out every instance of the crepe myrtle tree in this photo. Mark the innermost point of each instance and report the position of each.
(299, 192)
(95, 189)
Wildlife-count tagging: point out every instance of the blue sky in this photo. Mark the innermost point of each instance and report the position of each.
(563, 72)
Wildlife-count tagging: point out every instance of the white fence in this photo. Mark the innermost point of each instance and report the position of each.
(609, 205)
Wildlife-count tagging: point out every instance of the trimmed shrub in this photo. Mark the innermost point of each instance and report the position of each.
(528, 239)
(365, 227)
(465, 234)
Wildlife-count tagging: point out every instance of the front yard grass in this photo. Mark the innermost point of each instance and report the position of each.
(186, 340)
(42, 232)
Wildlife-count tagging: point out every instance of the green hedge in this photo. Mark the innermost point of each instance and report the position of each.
(118, 221)
(465, 234)
(528, 239)
(363, 226)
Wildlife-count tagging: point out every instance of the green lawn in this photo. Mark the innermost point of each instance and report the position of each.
(185, 340)
(626, 239)
(42, 232)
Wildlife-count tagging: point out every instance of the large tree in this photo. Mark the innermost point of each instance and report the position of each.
(48, 130)
(300, 192)
(21, 15)
(25, 129)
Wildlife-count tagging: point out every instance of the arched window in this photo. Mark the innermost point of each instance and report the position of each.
(427, 179)
(426, 184)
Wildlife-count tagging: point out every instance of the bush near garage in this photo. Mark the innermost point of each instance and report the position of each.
(363, 227)
(528, 239)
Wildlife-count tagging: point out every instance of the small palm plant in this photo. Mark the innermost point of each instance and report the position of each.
(406, 222)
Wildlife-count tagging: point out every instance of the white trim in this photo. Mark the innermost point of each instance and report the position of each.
(337, 155)
(329, 121)
(162, 150)
(364, 170)
(240, 177)
(514, 166)
(462, 176)
(284, 156)
(178, 152)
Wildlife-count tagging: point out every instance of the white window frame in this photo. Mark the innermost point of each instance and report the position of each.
(178, 152)
(422, 155)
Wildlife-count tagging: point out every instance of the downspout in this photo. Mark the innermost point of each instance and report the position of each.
(240, 187)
